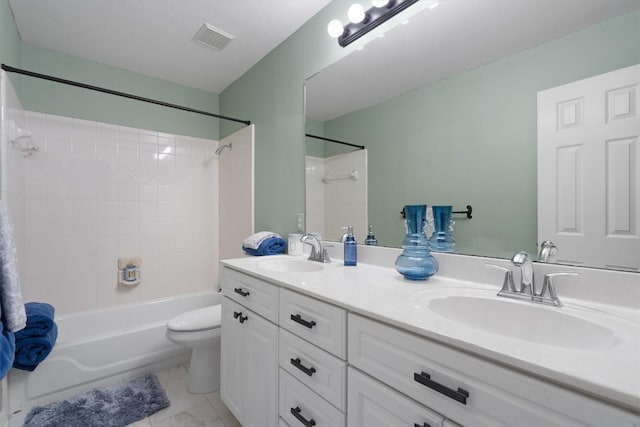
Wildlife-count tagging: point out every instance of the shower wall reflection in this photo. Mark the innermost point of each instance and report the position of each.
(336, 194)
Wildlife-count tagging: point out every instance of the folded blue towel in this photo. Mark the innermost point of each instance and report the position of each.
(7, 350)
(35, 341)
(269, 246)
(31, 351)
(39, 320)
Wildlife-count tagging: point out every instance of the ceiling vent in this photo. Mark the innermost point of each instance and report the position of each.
(211, 36)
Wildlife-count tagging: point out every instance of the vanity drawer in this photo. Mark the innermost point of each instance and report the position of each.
(301, 407)
(373, 404)
(317, 322)
(478, 392)
(320, 371)
(253, 293)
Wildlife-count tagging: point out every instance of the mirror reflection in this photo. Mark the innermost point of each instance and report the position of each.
(447, 108)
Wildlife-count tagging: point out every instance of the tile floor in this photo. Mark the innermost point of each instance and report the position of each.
(186, 409)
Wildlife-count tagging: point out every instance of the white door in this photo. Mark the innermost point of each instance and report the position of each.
(589, 170)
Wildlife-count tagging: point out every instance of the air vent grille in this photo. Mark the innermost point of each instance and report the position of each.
(213, 37)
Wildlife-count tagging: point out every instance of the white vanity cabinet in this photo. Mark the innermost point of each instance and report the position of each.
(463, 388)
(313, 370)
(249, 350)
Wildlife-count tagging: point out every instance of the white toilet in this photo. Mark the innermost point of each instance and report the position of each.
(200, 330)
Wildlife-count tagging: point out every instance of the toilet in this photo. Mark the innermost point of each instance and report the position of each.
(200, 330)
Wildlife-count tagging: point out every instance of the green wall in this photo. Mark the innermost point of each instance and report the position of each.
(270, 94)
(471, 138)
(54, 98)
(9, 37)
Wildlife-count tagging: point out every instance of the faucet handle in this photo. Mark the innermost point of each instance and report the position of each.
(507, 285)
(548, 286)
(325, 255)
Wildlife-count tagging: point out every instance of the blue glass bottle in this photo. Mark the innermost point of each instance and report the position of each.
(442, 238)
(416, 261)
(371, 238)
(350, 249)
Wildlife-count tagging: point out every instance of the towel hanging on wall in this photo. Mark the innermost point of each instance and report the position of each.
(11, 300)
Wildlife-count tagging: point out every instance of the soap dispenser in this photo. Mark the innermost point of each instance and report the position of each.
(371, 238)
(350, 249)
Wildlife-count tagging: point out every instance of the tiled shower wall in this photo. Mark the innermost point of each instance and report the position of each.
(338, 203)
(96, 192)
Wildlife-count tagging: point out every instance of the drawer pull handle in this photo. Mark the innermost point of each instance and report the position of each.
(296, 413)
(460, 395)
(298, 319)
(298, 364)
(239, 291)
(423, 425)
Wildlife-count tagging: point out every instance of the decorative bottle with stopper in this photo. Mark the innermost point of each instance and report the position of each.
(371, 238)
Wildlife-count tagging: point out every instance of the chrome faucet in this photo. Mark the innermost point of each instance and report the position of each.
(527, 290)
(527, 284)
(318, 253)
(547, 249)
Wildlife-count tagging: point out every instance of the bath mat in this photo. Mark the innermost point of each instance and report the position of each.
(115, 406)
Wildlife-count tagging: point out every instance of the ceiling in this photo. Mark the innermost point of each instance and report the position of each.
(456, 36)
(155, 37)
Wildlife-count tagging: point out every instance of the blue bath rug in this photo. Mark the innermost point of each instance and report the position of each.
(115, 406)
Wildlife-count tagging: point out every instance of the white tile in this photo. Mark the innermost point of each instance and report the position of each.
(200, 416)
(181, 400)
(149, 192)
(225, 414)
(129, 192)
(129, 209)
(127, 157)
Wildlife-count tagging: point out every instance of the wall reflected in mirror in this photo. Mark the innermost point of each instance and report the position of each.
(452, 119)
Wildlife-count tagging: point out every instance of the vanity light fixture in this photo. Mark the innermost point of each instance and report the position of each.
(361, 21)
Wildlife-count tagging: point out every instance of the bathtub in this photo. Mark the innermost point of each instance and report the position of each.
(99, 347)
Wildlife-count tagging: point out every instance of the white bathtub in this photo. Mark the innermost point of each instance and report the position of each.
(99, 346)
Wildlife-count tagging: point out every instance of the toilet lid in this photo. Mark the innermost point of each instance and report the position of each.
(196, 320)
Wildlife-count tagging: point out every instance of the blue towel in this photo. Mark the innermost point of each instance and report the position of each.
(30, 352)
(36, 340)
(39, 320)
(269, 246)
(7, 350)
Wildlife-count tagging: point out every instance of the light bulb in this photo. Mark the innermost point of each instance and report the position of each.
(380, 3)
(356, 13)
(335, 28)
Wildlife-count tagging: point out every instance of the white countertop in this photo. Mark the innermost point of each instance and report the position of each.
(612, 374)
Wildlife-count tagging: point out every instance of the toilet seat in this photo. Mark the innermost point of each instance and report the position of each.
(196, 320)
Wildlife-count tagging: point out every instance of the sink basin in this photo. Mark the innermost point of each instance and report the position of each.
(290, 265)
(525, 321)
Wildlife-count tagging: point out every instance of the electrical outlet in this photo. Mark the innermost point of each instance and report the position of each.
(300, 222)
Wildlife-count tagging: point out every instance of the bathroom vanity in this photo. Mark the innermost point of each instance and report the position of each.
(310, 344)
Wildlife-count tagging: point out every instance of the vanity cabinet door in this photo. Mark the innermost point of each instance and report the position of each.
(372, 404)
(316, 321)
(249, 364)
(467, 389)
(301, 407)
(320, 371)
(253, 293)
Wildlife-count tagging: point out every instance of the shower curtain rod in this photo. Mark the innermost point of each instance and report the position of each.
(335, 140)
(10, 69)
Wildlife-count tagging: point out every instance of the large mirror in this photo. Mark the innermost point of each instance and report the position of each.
(446, 107)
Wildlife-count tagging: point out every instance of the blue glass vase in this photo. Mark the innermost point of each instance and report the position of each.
(442, 238)
(416, 261)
